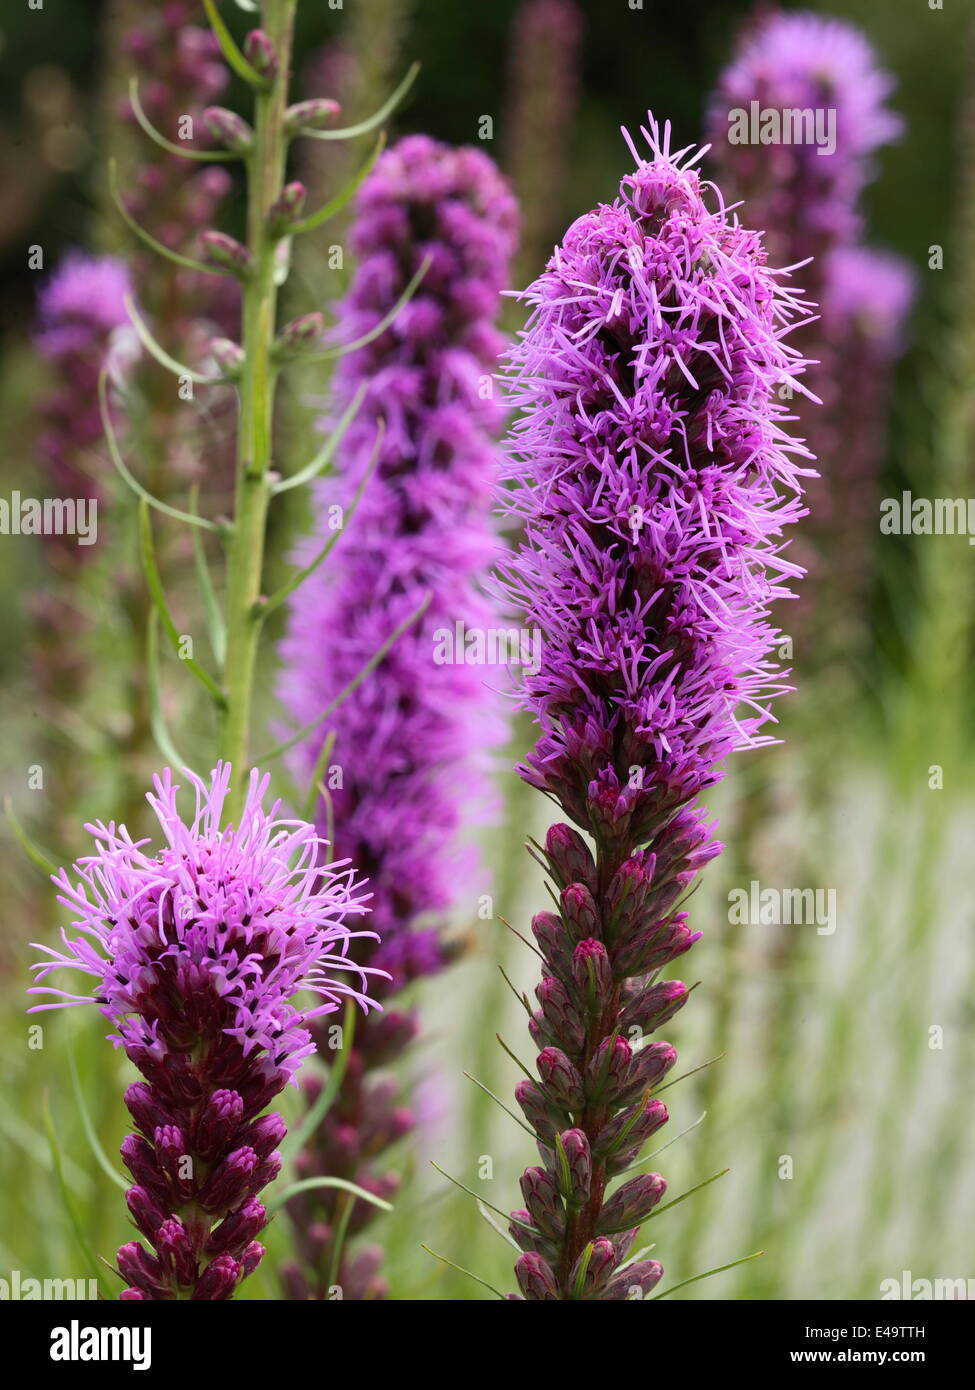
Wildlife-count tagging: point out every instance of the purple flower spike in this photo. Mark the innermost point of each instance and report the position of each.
(195, 955)
(652, 478)
(80, 308)
(411, 745)
(803, 191)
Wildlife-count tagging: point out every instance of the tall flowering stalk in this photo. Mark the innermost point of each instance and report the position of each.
(411, 741)
(196, 953)
(805, 195)
(80, 308)
(199, 951)
(652, 477)
(809, 200)
(80, 311)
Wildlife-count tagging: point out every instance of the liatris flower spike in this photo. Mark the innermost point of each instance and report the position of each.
(196, 954)
(413, 740)
(652, 477)
(804, 192)
(79, 310)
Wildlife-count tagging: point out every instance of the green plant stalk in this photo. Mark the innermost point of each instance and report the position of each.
(245, 559)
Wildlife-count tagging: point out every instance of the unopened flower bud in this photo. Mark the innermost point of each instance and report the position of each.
(222, 250)
(654, 947)
(317, 114)
(593, 974)
(559, 1021)
(251, 1258)
(300, 335)
(631, 1203)
(175, 1249)
(570, 858)
(146, 1212)
(549, 931)
(219, 1279)
(536, 1280)
(261, 54)
(237, 1230)
(607, 1070)
(651, 1008)
(580, 912)
(647, 1069)
(144, 1107)
(142, 1270)
(219, 1123)
(228, 355)
(286, 208)
(574, 1166)
(229, 129)
(540, 1114)
(635, 1281)
(622, 1137)
(593, 1268)
(543, 1202)
(265, 1134)
(229, 1180)
(560, 1079)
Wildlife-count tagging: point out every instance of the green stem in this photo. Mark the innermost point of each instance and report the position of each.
(245, 560)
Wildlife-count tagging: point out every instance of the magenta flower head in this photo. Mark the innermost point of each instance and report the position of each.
(81, 305)
(195, 955)
(80, 308)
(411, 742)
(652, 477)
(796, 119)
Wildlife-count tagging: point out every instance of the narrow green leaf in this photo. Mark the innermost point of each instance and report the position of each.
(657, 1211)
(66, 1201)
(685, 1074)
(177, 258)
(33, 851)
(336, 204)
(338, 1244)
(517, 1060)
(319, 771)
(216, 627)
(308, 1184)
(505, 1235)
(352, 686)
(325, 455)
(173, 146)
(706, 1275)
(157, 719)
(116, 457)
(229, 48)
(481, 1086)
(461, 1270)
(522, 998)
(299, 576)
(505, 1216)
(295, 1142)
(349, 132)
(160, 354)
(344, 349)
(158, 596)
(100, 1155)
(583, 1267)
